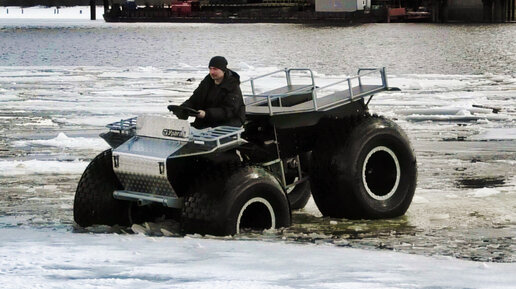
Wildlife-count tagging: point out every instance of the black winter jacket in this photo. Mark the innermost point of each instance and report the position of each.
(223, 103)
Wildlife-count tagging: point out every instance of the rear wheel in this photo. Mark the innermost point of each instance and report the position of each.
(232, 202)
(367, 172)
(94, 202)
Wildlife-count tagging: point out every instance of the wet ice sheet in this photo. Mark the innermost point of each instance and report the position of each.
(58, 259)
(50, 118)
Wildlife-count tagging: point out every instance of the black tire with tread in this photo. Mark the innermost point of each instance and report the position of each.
(212, 206)
(94, 202)
(338, 171)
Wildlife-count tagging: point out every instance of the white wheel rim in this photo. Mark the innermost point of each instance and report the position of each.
(398, 173)
(257, 200)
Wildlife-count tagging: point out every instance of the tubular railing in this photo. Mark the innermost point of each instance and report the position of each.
(312, 87)
(287, 77)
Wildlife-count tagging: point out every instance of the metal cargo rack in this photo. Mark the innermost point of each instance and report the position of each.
(217, 136)
(213, 138)
(297, 98)
(125, 126)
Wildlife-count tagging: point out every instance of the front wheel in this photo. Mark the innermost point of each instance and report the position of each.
(248, 198)
(94, 202)
(370, 172)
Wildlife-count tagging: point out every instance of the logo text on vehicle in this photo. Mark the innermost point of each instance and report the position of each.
(173, 132)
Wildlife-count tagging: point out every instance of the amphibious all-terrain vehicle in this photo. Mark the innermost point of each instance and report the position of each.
(298, 139)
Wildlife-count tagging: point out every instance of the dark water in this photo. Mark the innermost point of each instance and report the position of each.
(403, 48)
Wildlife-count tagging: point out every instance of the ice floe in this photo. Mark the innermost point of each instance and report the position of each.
(40, 167)
(63, 141)
(483, 192)
(496, 134)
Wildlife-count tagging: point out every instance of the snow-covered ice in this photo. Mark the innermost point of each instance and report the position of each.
(59, 259)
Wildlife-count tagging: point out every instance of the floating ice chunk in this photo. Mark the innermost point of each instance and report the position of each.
(14, 221)
(483, 121)
(483, 192)
(412, 86)
(463, 112)
(40, 122)
(466, 117)
(444, 111)
(139, 229)
(438, 217)
(496, 134)
(63, 141)
(420, 200)
(8, 97)
(90, 120)
(510, 219)
(497, 78)
(183, 65)
(245, 66)
(37, 167)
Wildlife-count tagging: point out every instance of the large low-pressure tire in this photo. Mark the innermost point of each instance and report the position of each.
(94, 202)
(365, 171)
(229, 202)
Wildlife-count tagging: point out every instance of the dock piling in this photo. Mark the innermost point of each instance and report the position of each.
(93, 12)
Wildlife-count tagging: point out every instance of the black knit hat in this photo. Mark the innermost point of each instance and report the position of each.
(219, 62)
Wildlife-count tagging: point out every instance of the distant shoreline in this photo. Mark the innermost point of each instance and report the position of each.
(53, 12)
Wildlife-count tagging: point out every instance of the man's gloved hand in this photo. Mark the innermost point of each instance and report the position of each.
(182, 112)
